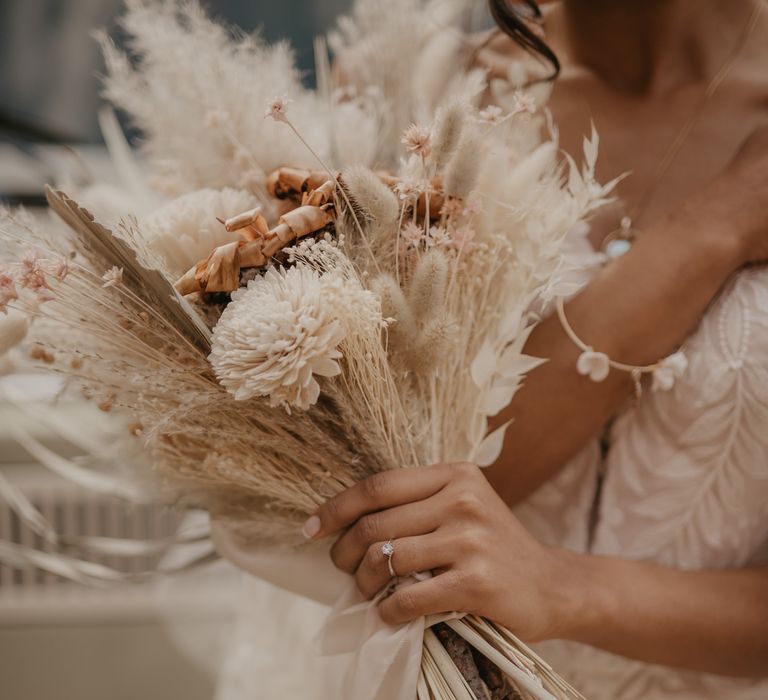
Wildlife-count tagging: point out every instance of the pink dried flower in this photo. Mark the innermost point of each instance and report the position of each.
(31, 274)
(59, 269)
(112, 277)
(43, 294)
(276, 109)
(412, 234)
(418, 140)
(8, 291)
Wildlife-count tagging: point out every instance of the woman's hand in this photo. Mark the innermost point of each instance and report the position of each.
(446, 519)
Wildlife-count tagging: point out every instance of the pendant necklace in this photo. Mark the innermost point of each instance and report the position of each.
(620, 240)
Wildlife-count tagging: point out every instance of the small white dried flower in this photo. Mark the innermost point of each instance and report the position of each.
(439, 236)
(276, 336)
(276, 108)
(491, 115)
(525, 103)
(412, 234)
(418, 140)
(112, 277)
(407, 190)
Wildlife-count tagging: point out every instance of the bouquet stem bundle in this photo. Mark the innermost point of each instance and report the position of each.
(353, 319)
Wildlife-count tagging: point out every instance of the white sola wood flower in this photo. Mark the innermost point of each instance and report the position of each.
(186, 229)
(276, 336)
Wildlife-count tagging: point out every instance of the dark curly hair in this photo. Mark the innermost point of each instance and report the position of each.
(514, 19)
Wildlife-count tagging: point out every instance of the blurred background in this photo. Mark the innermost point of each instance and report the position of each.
(50, 67)
(60, 639)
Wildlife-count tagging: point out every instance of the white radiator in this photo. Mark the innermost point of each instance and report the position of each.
(31, 595)
(34, 596)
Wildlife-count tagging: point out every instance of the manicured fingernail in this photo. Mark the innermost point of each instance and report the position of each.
(311, 527)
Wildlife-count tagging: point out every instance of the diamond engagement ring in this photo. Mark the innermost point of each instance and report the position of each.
(388, 549)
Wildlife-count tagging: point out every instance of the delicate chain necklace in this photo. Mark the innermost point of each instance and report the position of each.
(619, 241)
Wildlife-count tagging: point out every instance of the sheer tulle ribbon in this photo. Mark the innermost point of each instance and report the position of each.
(382, 661)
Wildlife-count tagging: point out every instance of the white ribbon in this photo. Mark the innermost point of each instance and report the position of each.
(383, 661)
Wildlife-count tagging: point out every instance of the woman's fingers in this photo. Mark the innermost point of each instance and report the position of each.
(440, 594)
(384, 490)
(417, 518)
(411, 554)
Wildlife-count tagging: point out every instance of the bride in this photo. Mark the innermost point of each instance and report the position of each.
(640, 525)
(626, 530)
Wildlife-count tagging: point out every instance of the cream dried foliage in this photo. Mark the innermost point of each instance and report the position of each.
(380, 44)
(206, 448)
(197, 91)
(425, 340)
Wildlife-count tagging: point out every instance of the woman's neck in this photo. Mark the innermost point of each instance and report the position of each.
(642, 46)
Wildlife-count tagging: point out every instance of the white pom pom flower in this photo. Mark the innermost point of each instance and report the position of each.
(670, 369)
(185, 230)
(277, 335)
(595, 365)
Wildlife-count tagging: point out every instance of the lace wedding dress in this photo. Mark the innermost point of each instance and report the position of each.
(686, 485)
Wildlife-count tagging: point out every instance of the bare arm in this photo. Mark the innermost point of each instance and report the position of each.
(637, 310)
(448, 519)
(710, 621)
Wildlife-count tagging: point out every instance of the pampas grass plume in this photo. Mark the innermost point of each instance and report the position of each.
(463, 168)
(428, 286)
(374, 199)
(449, 125)
(402, 333)
(432, 343)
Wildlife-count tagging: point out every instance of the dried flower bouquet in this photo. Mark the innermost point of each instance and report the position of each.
(274, 334)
